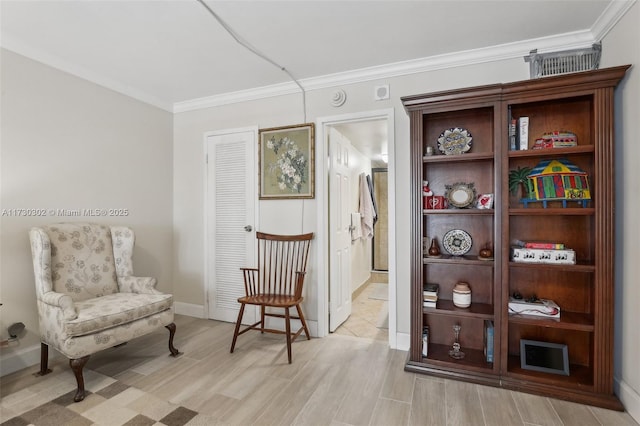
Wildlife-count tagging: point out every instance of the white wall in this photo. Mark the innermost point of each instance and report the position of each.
(189, 128)
(619, 47)
(67, 143)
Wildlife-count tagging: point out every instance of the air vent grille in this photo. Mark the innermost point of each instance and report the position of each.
(564, 62)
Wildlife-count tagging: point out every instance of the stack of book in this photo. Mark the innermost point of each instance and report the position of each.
(430, 295)
(542, 252)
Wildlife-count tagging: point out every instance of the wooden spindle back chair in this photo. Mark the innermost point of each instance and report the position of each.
(276, 283)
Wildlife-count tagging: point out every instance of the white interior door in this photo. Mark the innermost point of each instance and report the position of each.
(340, 235)
(230, 220)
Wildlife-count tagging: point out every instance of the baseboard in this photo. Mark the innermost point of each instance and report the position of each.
(629, 398)
(23, 358)
(403, 341)
(189, 309)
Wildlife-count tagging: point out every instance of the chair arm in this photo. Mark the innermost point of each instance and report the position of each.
(140, 285)
(62, 301)
(251, 285)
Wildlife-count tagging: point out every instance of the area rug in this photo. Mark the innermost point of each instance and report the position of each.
(378, 291)
(115, 404)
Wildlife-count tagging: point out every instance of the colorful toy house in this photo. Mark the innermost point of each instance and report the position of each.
(557, 179)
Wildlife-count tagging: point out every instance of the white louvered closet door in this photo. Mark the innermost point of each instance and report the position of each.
(231, 213)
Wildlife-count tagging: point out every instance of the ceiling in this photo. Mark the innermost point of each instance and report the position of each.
(167, 52)
(369, 137)
(176, 55)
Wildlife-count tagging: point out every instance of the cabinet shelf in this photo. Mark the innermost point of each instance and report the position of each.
(457, 158)
(480, 212)
(567, 321)
(458, 260)
(553, 152)
(473, 358)
(579, 267)
(476, 310)
(569, 211)
(578, 374)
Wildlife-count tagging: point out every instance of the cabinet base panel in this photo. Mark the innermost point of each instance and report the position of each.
(478, 378)
(610, 402)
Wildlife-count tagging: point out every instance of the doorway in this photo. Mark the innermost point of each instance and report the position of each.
(374, 151)
(380, 249)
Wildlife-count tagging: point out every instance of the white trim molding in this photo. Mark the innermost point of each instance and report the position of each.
(629, 398)
(610, 17)
(23, 358)
(189, 309)
(403, 341)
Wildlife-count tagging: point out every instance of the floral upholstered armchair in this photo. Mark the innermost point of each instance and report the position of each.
(88, 299)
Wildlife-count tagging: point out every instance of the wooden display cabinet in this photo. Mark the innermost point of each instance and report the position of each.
(583, 104)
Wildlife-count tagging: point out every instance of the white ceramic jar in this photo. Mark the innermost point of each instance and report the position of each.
(462, 295)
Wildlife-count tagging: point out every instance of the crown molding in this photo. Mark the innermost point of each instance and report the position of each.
(237, 97)
(16, 46)
(574, 40)
(610, 17)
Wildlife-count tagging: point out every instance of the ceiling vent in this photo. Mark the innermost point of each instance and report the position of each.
(564, 62)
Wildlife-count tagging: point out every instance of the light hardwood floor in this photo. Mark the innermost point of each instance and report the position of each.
(337, 380)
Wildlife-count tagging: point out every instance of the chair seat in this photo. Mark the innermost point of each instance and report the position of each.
(113, 310)
(275, 300)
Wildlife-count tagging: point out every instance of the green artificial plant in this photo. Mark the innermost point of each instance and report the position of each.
(517, 178)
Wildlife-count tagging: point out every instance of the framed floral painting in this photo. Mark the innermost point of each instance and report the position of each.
(286, 162)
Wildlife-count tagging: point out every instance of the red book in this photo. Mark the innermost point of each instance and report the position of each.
(545, 245)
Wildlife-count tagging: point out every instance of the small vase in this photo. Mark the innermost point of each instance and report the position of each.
(434, 250)
(462, 295)
(486, 253)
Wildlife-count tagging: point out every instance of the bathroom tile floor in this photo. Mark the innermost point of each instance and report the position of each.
(369, 314)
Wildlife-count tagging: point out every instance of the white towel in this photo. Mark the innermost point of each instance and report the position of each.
(366, 208)
(356, 226)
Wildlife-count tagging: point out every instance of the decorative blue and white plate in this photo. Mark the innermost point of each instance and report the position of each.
(457, 242)
(454, 141)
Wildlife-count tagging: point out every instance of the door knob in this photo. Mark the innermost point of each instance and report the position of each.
(248, 228)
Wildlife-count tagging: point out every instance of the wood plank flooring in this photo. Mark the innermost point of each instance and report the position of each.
(337, 380)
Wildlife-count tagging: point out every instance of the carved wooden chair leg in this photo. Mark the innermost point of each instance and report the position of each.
(262, 309)
(44, 360)
(235, 333)
(172, 331)
(77, 365)
(287, 323)
(304, 323)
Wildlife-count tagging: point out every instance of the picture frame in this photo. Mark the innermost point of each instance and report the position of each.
(544, 356)
(286, 162)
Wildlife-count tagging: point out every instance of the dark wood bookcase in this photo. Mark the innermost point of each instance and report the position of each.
(583, 104)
